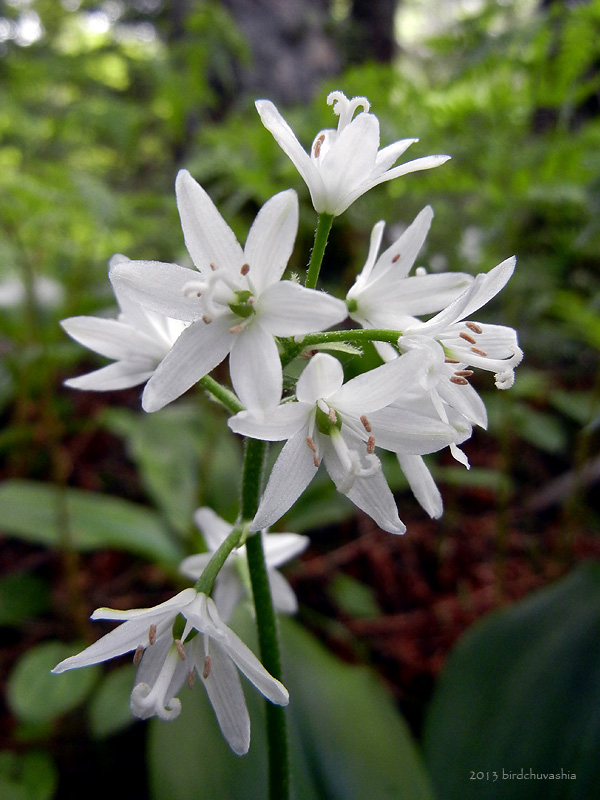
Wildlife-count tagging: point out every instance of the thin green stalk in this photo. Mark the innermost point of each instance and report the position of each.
(206, 581)
(222, 394)
(266, 622)
(357, 336)
(324, 224)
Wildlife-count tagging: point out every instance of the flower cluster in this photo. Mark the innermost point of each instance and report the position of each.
(177, 324)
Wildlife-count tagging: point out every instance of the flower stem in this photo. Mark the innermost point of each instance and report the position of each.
(206, 581)
(266, 622)
(324, 224)
(294, 348)
(222, 394)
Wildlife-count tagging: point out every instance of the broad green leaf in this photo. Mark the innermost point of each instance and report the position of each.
(520, 692)
(34, 694)
(109, 710)
(59, 517)
(347, 739)
(22, 597)
(27, 776)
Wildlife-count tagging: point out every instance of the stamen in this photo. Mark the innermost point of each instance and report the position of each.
(366, 423)
(332, 416)
(318, 144)
(451, 360)
(236, 329)
(213, 266)
(137, 656)
(395, 258)
(316, 460)
(371, 445)
(206, 670)
(466, 373)
(191, 678)
(473, 326)
(179, 647)
(479, 351)
(152, 634)
(207, 319)
(458, 380)
(245, 269)
(467, 338)
(311, 444)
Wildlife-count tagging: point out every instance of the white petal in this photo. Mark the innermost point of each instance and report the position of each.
(197, 351)
(271, 239)
(286, 139)
(248, 663)
(284, 599)
(214, 529)
(322, 377)
(208, 238)
(229, 590)
(282, 547)
(292, 472)
(109, 337)
(422, 484)
(255, 369)
(159, 287)
(400, 430)
(113, 377)
(227, 698)
(193, 566)
(387, 156)
(287, 309)
(282, 423)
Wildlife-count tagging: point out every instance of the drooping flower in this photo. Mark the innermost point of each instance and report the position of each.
(385, 296)
(232, 585)
(329, 422)
(346, 162)
(236, 306)
(138, 339)
(204, 645)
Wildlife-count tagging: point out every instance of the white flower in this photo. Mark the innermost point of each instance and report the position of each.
(329, 422)
(231, 584)
(345, 163)
(237, 304)
(384, 296)
(205, 645)
(468, 343)
(137, 340)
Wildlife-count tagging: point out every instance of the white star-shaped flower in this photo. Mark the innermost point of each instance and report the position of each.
(236, 306)
(204, 645)
(138, 339)
(329, 421)
(232, 582)
(346, 162)
(385, 296)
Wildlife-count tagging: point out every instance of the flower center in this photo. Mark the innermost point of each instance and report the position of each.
(222, 291)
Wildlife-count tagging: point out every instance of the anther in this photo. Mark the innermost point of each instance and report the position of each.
(318, 144)
(152, 634)
(458, 380)
(366, 423)
(467, 338)
(236, 329)
(395, 258)
(191, 678)
(465, 373)
(245, 269)
(451, 360)
(207, 319)
(332, 416)
(137, 656)
(479, 351)
(316, 460)
(371, 445)
(179, 648)
(311, 444)
(213, 266)
(206, 670)
(473, 326)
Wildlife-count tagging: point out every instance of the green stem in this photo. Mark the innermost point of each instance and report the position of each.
(266, 622)
(324, 224)
(222, 394)
(206, 581)
(294, 348)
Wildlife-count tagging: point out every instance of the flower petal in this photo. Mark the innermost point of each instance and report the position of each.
(422, 484)
(214, 529)
(271, 239)
(288, 309)
(255, 369)
(283, 422)
(114, 377)
(322, 377)
(157, 286)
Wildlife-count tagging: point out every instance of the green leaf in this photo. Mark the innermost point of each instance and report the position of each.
(22, 597)
(347, 739)
(520, 692)
(34, 694)
(59, 517)
(109, 710)
(30, 776)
